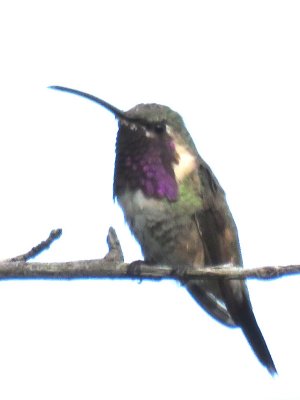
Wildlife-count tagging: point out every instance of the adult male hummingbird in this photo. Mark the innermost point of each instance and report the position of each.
(177, 210)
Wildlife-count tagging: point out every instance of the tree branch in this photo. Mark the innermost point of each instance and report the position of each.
(113, 267)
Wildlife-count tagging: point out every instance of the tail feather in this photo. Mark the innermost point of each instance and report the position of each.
(237, 300)
(256, 340)
(237, 311)
(210, 303)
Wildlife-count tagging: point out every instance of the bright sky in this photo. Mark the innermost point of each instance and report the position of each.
(231, 69)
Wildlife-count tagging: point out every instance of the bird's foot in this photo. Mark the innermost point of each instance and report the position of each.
(134, 268)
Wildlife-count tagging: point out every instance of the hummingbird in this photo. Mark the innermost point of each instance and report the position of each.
(177, 210)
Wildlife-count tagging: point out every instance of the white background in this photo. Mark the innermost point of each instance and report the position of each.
(231, 69)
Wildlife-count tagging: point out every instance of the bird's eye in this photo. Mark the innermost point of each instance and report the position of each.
(159, 128)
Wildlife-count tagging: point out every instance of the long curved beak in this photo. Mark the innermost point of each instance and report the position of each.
(118, 113)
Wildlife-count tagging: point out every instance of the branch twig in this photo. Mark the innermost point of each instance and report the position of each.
(44, 245)
(113, 267)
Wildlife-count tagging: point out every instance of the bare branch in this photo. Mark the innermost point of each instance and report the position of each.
(113, 267)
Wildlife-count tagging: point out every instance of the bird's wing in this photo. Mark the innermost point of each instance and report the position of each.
(221, 245)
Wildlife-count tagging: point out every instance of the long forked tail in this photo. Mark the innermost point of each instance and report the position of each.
(239, 306)
(236, 312)
(255, 338)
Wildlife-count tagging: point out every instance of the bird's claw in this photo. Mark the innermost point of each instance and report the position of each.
(134, 268)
